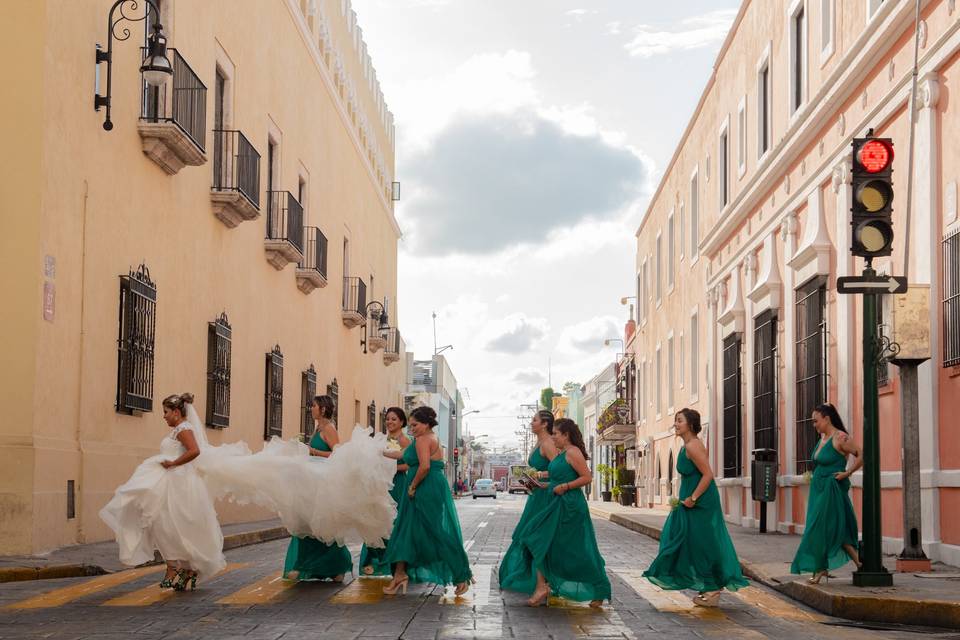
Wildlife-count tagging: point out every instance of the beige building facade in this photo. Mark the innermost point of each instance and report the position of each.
(227, 237)
(740, 250)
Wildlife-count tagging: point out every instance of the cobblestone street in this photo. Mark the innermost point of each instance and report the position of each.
(249, 600)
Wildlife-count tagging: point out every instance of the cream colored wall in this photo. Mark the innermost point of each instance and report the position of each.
(106, 207)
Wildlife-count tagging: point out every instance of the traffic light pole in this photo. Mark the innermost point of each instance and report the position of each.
(872, 573)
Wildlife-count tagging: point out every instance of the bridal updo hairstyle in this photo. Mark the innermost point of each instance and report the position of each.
(327, 408)
(178, 401)
(425, 415)
(569, 428)
(400, 413)
(692, 416)
(546, 417)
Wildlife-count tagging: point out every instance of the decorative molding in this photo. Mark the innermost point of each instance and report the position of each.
(167, 145)
(766, 292)
(812, 257)
(232, 207)
(841, 176)
(922, 34)
(928, 90)
(732, 318)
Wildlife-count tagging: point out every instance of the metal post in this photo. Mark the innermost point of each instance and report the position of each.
(912, 557)
(872, 573)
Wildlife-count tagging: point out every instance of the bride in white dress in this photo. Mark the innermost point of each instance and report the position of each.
(167, 505)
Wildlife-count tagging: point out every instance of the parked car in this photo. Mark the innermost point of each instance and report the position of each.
(484, 488)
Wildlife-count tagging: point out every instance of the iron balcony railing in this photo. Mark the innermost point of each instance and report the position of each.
(393, 341)
(236, 165)
(182, 101)
(315, 251)
(285, 218)
(355, 295)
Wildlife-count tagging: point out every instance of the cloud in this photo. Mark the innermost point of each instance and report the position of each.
(692, 33)
(588, 336)
(493, 181)
(529, 376)
(613, 28)
(579, 14)
(515, 334)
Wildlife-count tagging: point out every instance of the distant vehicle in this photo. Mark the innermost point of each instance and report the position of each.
(484, 488)
(499, 475)
(513, 480)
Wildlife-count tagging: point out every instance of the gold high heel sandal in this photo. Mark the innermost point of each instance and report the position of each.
(819, 575)
(541, 596)
(398, 586)
(710, 600)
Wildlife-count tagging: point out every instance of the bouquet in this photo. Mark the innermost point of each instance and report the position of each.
(674, 503)
(807, 477)
(393, 444)
(529, 481)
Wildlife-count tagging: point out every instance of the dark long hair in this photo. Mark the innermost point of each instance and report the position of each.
(327, 408)
(569, 428)
(547, 417)
(830, 412)
(400, 413)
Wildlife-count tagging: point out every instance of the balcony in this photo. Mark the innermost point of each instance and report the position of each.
(391, 352)
(312, 270)
(173, 118)
(376, 337)
(615, 424)
(284, 241)
(354, 302)
(236, 178)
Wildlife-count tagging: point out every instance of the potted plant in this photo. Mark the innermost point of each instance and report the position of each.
(616, 492)
(606, 475)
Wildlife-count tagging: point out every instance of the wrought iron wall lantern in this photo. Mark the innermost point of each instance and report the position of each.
(376, 311)
(156, 67)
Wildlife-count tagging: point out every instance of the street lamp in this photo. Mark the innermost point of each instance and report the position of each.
(469, 412)
(156, 67)
(377, 311)
(624, 299)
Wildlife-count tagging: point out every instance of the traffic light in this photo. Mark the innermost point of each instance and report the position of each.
(872, 197)
(456, 456)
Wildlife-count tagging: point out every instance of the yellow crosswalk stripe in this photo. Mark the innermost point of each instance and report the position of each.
(260, 592)
(154, 594)
(62, 596)
(478, 594)
(361, 591)
(720, 626)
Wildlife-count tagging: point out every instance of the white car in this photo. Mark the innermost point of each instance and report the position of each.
(484, 488)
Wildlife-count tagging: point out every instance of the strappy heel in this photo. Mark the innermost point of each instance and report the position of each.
(540, 597)
(169, 581)
(184, 578)
(710, 600)
(819, 575)
(399, 586)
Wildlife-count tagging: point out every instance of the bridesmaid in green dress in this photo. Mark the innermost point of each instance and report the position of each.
(309, 558)
(830, 535)
(426, 544)
(559, 537)
(371, 560)
(517, 572)
(695, 548)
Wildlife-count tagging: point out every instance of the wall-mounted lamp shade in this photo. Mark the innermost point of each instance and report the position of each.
(156, 67)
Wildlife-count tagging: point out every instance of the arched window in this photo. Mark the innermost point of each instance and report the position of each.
(656, 480)
(670, 474)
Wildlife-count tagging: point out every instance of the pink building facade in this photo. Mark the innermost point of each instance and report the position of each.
(739, 253)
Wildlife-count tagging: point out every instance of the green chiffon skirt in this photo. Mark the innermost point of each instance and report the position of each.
(427, 536)
(830, 524)
(376, 558)
(517, 571)
(316, 560)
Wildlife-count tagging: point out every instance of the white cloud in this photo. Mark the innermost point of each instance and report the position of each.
(579, 14)
(515, 334)
(613, 28)
(588, 336)
(692, 33)
(529, 376)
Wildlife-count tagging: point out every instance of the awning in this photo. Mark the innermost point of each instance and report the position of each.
(617, 434)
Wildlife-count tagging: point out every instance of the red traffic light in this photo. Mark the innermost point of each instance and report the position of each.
(875, 156)
(456, 451)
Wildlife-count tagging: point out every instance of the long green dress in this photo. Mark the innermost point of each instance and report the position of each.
(426, 534)
(517, 572)
(831, 521)
(316, 560)
(695, 548)
(561, 542)
(375, 557)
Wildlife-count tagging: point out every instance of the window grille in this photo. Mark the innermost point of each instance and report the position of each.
(732, 402)
(273, 416)
(765, 381)
(308, 390)
(811, 354)
(219, 344)
(951, 299)
(137, 331)
(333, 390)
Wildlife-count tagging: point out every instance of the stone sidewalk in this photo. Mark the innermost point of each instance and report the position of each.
(103, 557)
(931, 599)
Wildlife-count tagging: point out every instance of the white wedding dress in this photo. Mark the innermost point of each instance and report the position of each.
(343, 497)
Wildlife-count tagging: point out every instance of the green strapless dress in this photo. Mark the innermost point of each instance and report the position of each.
(375, 557)
(316, 560)
(560, 540)
(517, 572)
(831, 521)
(426, 534)
(695, 547)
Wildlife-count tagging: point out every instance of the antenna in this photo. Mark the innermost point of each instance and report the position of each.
(437, 351)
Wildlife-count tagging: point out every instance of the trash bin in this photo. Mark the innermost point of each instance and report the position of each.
(628, 495)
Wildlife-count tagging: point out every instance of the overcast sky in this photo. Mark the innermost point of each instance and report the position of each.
(530, 136)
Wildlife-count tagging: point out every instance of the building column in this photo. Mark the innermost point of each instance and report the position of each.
(788, 459)
(715, 443)
(846, 311)
(750, 515)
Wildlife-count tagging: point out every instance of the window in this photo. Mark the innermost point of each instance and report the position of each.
(683, 232)
(346, 257)
(951, 299)
(671, 242)
(372, 416)
(137, 331)
(694, 217)
(680, 360)
(641, 312)
(811, 358)
(641, 396)
(219, 96)
(763, 108)
(742, 137)
(657, 380)
(302, 194)
(219, 343)
(765, 381)
(723, 170)
(647, 292)
(694, 356)
(656, 480)
(798, 56)
(273, 163)
(273, 414)
(670, 474)
(308, 390)
(826, 28)
(732, 415)
(333, 390)
(670, 372)
(658, 267)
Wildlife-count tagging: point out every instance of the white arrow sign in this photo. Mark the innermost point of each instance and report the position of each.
(890, 285)
(861, 284)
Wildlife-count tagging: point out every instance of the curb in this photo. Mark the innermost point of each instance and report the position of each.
(232, 541)
(929, 613)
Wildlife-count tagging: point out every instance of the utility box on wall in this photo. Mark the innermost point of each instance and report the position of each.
(910, 320)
